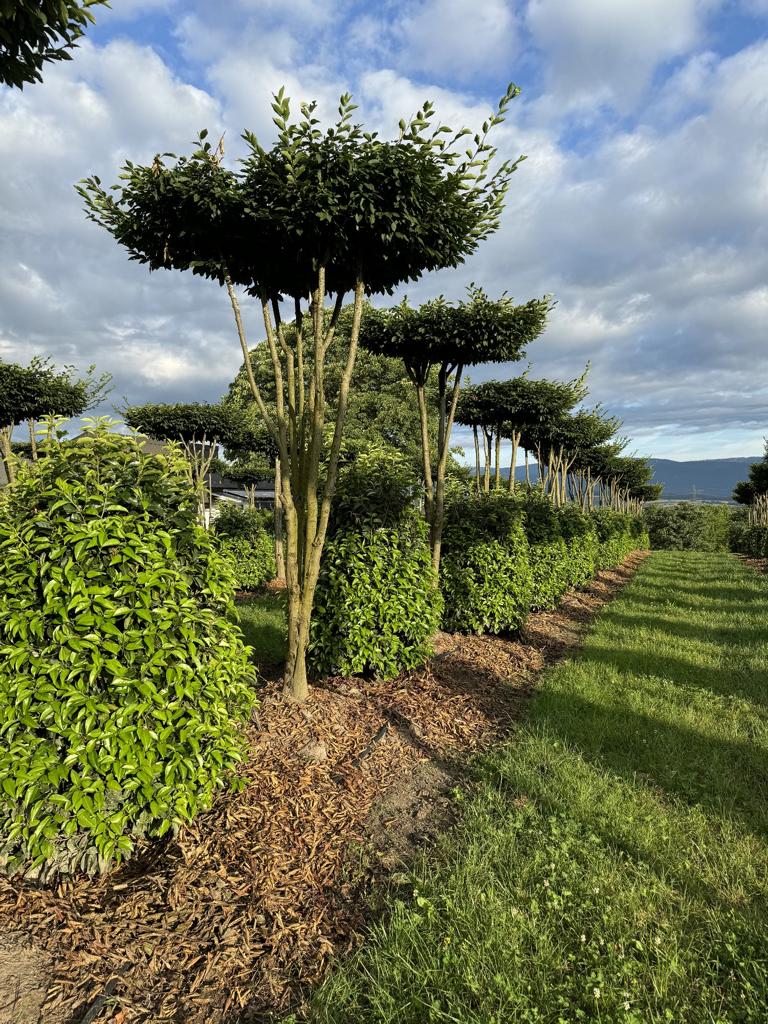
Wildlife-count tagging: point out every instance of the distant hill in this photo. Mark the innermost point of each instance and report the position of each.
(705, 480)
(701, 480)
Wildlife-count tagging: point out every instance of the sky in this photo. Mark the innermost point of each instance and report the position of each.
(642, 206)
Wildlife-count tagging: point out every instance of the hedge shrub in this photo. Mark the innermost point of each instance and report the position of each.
(619, 534)
(246, 540)
(749, 540)
(485, 572)
(547, 553)
(685, 526)
(377, 604)
(582, 545)
(121, 678)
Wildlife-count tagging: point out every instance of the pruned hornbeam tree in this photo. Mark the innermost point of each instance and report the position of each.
(505, 410)
(321, 215)
(199, 427)
(444, 338)
(568, 445)
(39, 391)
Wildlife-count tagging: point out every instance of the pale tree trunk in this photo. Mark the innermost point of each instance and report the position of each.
(488, 445)
(477, 460)
(33, 439)
(497, 469)
(527, 469)
(5, 442)
(297, 427)
(278, 521)
(448, 405)
(512, 483)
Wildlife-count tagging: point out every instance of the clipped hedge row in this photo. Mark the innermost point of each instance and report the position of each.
(749, 540)
(505, 555)
(376, 606)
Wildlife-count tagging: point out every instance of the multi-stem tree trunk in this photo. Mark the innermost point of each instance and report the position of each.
(515, 439)
(434, 489)
(278, 523)
(297, 427)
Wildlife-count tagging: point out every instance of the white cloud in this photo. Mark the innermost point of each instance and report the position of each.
(652, 239)
(604, 51)
(460, 39)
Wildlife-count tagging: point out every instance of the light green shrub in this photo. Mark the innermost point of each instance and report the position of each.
(377, 606)
(582, 545)
(121, 678)
(685, 526)
(485, 573)
(246, 540)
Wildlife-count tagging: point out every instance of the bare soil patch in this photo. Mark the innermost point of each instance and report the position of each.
(245, 907)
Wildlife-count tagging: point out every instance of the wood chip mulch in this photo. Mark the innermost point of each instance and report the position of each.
(232, 918)
(760, 564)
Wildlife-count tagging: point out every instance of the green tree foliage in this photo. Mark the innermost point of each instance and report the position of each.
(685, 526)
(746, 491)
(192, 422)
(33, 32)
(445, 337)
(30, 393)
(485, 574)
(199, 427)
(121, 676)
(245, 539)
(320, 213)
(378, 605)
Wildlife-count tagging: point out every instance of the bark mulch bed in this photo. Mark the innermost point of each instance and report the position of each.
(232, 918)
(760, 564)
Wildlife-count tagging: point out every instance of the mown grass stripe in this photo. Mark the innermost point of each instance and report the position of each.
(612, 862)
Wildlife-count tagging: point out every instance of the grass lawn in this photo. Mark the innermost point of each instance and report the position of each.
(262, 620)
(612, 862)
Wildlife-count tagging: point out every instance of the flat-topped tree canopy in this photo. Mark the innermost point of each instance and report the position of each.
(38, 390)
(580, 433)
(510, 405)
(480, 330)
(365, 209)
(184, 421)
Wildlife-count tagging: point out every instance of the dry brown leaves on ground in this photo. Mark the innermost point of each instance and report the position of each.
(247, 904)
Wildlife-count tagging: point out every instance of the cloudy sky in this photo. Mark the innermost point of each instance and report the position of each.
(642, 206)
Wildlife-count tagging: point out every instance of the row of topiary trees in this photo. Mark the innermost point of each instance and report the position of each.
(329, 214)
(122, 676)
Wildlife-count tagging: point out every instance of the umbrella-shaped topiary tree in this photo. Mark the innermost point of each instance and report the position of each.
(334, 212)
(199, 427)
(30, 393)
(447, 337)
(505, 409)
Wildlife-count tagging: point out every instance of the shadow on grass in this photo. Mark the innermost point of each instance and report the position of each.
(727, 777)
(262, 620)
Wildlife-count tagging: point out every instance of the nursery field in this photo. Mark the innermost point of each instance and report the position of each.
(611, 862)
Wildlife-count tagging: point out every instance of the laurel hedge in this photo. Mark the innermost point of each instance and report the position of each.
(122, 678)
